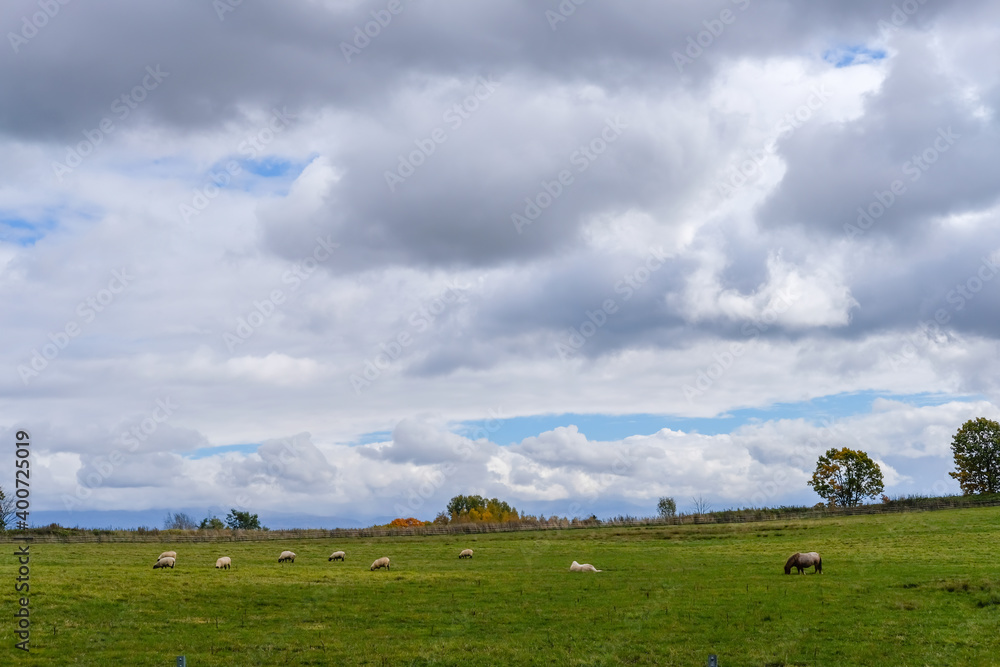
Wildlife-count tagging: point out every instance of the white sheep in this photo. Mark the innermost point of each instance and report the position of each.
(586, 567)
(223, 563)
(167, 554)
(337, 555)
(380, 563)
(286, 555)
(466, 553)
(166, 561)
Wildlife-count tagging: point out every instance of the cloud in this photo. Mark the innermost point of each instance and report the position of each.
(487, 207)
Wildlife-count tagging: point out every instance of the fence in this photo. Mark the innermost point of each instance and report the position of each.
(720, 517)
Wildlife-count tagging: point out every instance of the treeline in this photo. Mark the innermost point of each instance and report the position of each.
(912, 503)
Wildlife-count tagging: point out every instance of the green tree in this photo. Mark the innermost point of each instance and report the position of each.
(477, 508)
(845, 476)
(976, 447)
(243, 521)
(666, 508)
(211, 523)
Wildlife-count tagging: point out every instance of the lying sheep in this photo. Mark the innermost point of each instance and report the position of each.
(286, 555)
(466, 553)
(223, 563)
(380, 563)
(586, 567)
(166, 561)
(337, 555)
(167, 554)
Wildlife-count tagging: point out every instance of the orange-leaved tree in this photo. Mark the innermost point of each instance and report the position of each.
(406, 523)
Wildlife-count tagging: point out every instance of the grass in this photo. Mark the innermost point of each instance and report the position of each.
(902, 589)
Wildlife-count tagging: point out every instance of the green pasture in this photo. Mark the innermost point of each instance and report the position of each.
(918, 588)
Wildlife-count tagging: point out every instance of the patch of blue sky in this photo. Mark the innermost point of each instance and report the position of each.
(205, 452)
(374, 436)
(23, 232)
(848, 56)
(273, 167)
(598, 427)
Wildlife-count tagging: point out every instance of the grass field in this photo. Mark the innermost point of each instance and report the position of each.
(905, 589)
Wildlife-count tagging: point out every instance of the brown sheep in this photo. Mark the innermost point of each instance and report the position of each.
(380, 563)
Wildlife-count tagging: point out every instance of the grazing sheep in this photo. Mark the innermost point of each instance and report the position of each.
(380, 563)
(223, 563)
(286, 555)
(586, 567)
(337, 555)
(167, 554)
(166, 561)
(466, 553)
(801, 561)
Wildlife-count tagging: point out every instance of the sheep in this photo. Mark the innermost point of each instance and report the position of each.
(166, 561)
(380, 563)
(167, 554)
(337, 555)
(286, 555)
(223, 563)
(466, 553)
(586, 567)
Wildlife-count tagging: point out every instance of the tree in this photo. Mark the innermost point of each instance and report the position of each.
(211, 523)
(845, 476)
(6, 511)
(179, 520)
(976, 447)
(666, 508)
(701, 505)
(243, 521)
(479, 509)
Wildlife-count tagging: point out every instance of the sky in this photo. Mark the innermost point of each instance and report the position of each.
(337, 261)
